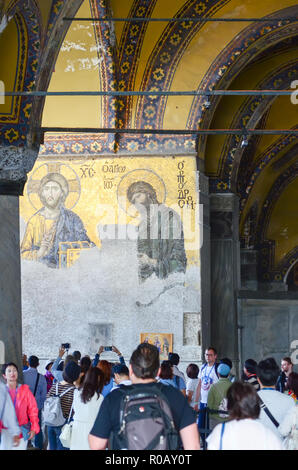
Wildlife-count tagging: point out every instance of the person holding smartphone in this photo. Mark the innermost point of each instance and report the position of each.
(104, 349)
(106, 367)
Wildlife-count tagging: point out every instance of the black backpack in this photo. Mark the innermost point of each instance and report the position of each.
(146, 420)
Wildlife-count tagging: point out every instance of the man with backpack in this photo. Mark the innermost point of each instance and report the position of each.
(145, 415)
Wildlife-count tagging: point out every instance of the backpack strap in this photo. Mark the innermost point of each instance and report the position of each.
(65, 391)
(4, 404)
(176, 379)
(36, 383)
(270, 416)
(221, 434)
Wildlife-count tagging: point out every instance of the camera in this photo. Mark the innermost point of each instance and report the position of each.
(108, 348)
(65, 345)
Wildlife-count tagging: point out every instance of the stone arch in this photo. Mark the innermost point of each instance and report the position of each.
(245, 48)
(250, 115)
(267, 270)
(165, 56)
(27, 19)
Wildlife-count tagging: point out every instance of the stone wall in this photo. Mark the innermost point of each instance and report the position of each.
(269, 326)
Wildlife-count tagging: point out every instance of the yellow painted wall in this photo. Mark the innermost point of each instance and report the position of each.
(45, 9)
(205, 47)
(120, 10)
(76, 69)
(283, 226)
(228, 107)
(283, 115)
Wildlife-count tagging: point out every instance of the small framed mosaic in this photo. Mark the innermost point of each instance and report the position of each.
(163, 342)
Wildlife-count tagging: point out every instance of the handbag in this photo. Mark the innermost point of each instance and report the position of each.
(66, 432)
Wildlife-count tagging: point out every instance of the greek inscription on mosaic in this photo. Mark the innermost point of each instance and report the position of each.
(184, 197)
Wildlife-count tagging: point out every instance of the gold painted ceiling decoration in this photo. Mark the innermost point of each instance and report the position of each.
(164, 57)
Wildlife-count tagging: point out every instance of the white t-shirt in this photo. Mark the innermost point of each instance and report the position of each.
(244, 434)
(191, 386)
(278, 404)
(208, 377)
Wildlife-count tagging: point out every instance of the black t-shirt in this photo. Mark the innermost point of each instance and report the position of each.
(108, 418)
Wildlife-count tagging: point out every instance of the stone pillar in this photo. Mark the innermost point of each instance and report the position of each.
(15, 162)
(249, 269)
(203, 191)
(225, 274)
(10, 280)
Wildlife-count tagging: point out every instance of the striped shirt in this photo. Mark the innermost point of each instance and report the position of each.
(252, 380)
(66, 400)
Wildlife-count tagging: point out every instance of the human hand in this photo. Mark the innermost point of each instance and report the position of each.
(31, 435)
(115, 350)
(61, 351)
(42, 251)
(101, 350)
(144, 260)
(16, 441)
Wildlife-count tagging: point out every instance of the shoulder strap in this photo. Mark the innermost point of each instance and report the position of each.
(2, 412)
(270, 416)
(221, 434)
(65, 391)
(176, 378)
(36, 383)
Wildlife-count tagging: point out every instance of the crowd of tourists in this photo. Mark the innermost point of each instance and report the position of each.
(83, 403)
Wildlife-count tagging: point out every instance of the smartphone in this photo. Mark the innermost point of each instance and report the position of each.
(65, 345)
(108, 348)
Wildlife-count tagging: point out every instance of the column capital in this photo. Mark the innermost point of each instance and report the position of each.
(15, 163)
(202, 183)
(224, 202)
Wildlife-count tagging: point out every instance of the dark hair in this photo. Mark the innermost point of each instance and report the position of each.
(4, 367)
(76, 355)
(292, 383)
(251, 366)
(61, 366)
(85, 364)
(106, 367)
(120, 369)
(93, 383)
(33, 361)
(212, 349)
(243, 401)
(145, 361)
(288, 360)
(166, 370)
(174, 358)
(192, 371)
(71, 372)
(268, 371)
(227, 361)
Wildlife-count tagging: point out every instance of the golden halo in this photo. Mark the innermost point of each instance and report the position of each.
(141, 174)
(66, 171)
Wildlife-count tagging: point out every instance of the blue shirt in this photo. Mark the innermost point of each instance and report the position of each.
(107, 388)
(58, 374)
(30, 377)
(178, 383)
